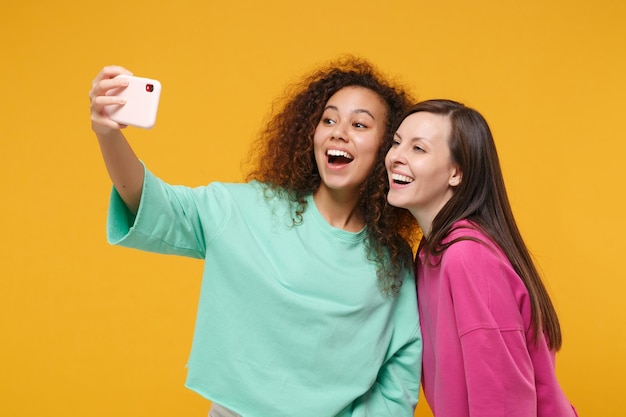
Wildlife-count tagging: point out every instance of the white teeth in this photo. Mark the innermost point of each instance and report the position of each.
(336, 152)
(401, 178)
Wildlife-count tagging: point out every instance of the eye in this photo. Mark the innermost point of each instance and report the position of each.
(395, 143)
(418, 148)
(328, 121)
(359, 125)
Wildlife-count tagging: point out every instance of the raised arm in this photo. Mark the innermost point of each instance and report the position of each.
(124, 168)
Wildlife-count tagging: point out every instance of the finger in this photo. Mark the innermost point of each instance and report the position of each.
(99, 123)
(98, 103)
(110, 71)
(101, 87)
(107, 73)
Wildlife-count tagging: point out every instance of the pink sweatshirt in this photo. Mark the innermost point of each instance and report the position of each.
(477, 357)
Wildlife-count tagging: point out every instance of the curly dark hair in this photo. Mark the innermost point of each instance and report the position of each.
(282, 158)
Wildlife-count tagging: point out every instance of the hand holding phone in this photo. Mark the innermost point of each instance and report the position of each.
(142, 102)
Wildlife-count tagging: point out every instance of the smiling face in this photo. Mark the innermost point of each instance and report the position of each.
(347, 139)
(422, 175)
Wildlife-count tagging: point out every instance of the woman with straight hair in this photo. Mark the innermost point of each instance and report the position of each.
(490, 330)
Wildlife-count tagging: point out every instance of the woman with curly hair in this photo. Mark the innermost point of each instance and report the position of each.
(308, 305)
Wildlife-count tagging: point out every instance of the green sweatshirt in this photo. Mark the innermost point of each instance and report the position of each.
(290, 319)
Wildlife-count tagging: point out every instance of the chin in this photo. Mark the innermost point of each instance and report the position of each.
(395, 201)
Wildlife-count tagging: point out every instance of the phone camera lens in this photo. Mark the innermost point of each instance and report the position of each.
(149, 88)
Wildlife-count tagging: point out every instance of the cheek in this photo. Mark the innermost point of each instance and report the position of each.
(318, 139)
(321, 132)
(370, 154)
(370, 145)
(376, 152)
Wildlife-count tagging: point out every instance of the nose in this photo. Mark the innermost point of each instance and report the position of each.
(339, 132)
(395, 156)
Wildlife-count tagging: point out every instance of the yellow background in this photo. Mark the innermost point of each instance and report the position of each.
(93, 330)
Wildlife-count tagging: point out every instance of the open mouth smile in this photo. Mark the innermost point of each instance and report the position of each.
(338, 157)
(401, 179)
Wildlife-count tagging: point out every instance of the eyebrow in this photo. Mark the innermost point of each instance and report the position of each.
(354, 111)
(413, 138)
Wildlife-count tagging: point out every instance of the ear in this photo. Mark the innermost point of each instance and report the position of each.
(456, 176)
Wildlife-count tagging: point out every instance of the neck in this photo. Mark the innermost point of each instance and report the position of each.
(339, 209)
(425, 214)
(425, 221)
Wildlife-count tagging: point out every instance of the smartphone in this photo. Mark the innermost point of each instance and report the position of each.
(142, 102)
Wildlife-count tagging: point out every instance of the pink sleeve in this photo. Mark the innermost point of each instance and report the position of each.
(498, 369)
(551, 400)
(498, 374)
(485, 365)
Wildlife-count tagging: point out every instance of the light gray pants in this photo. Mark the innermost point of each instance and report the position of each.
(219, 411)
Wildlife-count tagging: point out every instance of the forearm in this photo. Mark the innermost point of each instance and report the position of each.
(124, 168)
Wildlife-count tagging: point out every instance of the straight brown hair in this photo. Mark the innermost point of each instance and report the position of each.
(481, 198)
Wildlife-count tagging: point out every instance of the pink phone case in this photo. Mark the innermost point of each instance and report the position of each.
(142, 101)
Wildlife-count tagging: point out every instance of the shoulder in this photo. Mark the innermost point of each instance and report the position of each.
(466, 240)
(466, 229)
(255, 198)
(471, 251)
(255, 188)
(233, 190)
